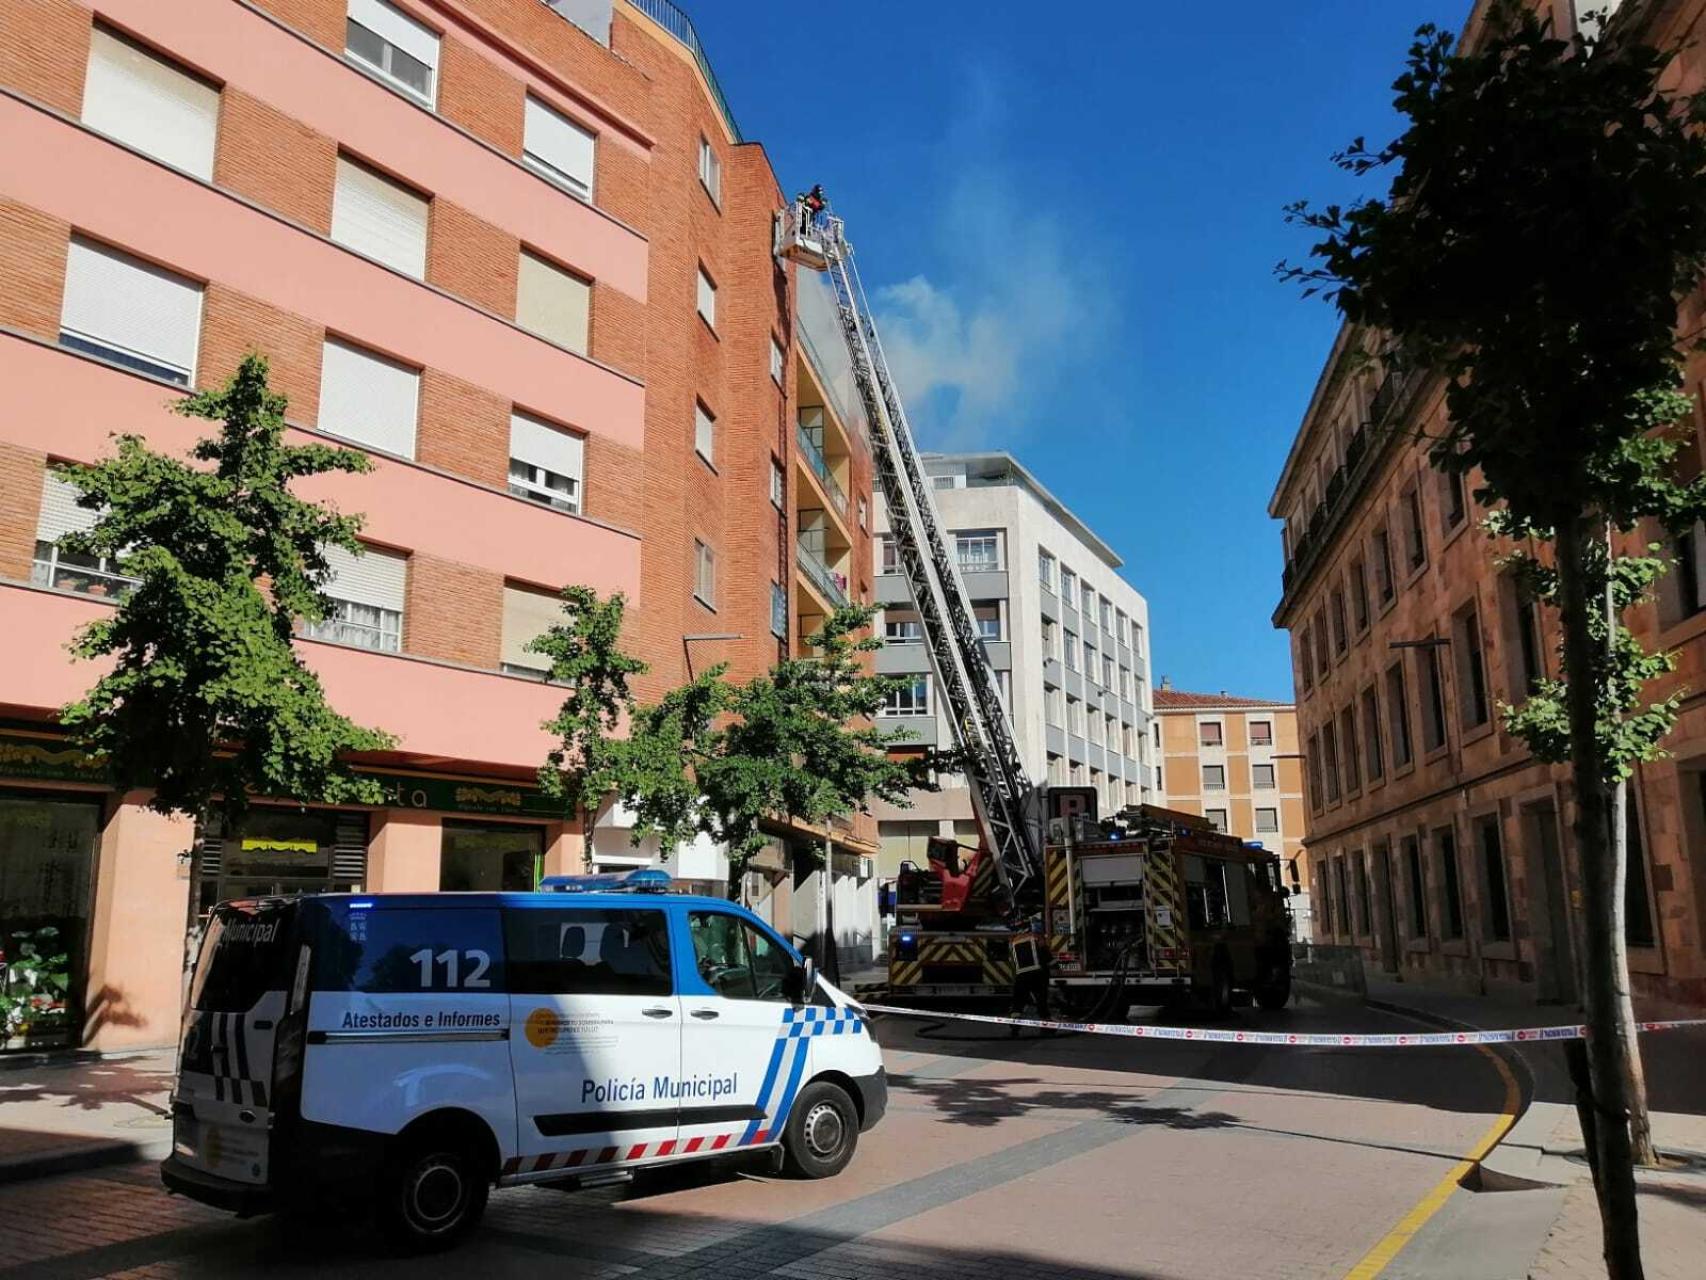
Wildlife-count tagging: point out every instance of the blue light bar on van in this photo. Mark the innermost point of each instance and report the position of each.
(643, 880)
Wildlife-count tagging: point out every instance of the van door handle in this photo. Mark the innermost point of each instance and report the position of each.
(706, 1013)
(657, 1013)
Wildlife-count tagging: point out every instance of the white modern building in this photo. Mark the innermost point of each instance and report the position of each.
(1067, 635)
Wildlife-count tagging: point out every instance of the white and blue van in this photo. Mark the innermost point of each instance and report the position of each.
(426, 1047)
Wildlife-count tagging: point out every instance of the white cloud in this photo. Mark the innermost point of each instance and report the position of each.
(1016, 306)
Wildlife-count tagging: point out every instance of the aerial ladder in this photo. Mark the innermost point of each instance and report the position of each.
(1005, 800)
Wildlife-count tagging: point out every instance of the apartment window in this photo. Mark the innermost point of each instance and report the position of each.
(1320, 644)
(1330, 758)
(1359, 595)
(1398, 715)
(1323, 877)
(1314, 772)
(1068, 587)
(1348, 740)
(947, 482)
(911, 698)
(1472, 707)
(1210, 733)
(862, 515)
(1341, 899)
(366, 592)
(1057, 771)
(1373, 756)
(704, 433)
(1433, 699)
(1688, 551)
(134, 95)
(1445, 848)
(1107, 672)
(396, 46)
(558, 149)
(1529, 648)
(1267, 821)
(778, 485)
(1365, 902)
(776, 362)
(1137, 639)
(1383, 578)
(1214, 777)
(380, 218)
(1075, 716)
(979, 552)
(710, 172)
(1418, 887)
(778, 611)
(1261, 733)
(888, 556)
(903, 630)
(1045, 569)
(545, 463)
(1107, 614)
(1306, 656)
(527, 615)
(707, 299)
(1051, 639)
(1089, 606)
(1341, 640)
(553, 303)
(1637, 907)
(987, 619)
(1054, 710)
(1415, 535)
(130, 312)
(1453, 502)
(1262, 777)
(1089, 660)
(1216, 818)
(1071, 651)
(1496, 920)
(89, 575)
(1125, 683)
(368, 399)
(704, 574)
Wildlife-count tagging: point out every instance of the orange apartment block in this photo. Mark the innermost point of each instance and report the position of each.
(1438, 845)
(1235, 761)
(526, 263)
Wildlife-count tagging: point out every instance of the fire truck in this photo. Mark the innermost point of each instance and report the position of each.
(1175, 908)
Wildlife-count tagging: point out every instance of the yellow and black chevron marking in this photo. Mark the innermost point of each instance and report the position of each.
(983, 885)
(1163, 892)
(997, 972)
(1062, 879)
(905, 973)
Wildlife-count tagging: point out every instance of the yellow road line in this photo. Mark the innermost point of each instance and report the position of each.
(1377, 1258)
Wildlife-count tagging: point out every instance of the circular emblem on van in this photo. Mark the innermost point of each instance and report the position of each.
(542, 1028)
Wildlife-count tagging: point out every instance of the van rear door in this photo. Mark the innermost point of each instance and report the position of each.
(222, 1108)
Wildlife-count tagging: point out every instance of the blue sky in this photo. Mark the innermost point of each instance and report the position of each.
(1069, 217)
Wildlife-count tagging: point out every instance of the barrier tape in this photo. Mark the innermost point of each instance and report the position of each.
(1336, 1040)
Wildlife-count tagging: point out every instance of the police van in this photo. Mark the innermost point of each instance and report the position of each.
(422, 1048)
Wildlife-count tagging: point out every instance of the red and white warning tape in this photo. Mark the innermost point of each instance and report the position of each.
(1338, 1040)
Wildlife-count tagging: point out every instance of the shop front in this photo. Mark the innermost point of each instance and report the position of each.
(491, 856)
(277, 849)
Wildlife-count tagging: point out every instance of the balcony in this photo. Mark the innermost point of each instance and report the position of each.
(831, 584)
(678, 24)
(820, 468)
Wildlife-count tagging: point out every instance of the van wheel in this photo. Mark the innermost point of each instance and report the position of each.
(432, 1193)
(822, 1131)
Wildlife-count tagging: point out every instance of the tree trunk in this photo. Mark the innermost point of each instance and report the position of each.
(1607, 1048)
(1634, 1074)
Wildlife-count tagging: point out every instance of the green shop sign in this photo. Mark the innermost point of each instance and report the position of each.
(24, 756)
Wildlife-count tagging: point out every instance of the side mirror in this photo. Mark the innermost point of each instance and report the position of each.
(800, 982)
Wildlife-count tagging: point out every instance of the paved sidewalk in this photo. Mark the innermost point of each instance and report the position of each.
(78, 1113)
(1546, 1146)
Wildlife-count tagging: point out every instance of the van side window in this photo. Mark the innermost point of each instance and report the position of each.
(403, 949)
(736, 960)
(588, 951)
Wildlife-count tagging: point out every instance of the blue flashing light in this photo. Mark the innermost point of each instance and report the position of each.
(642, 880)
(361, 906)
(647, 880)
(906, 937)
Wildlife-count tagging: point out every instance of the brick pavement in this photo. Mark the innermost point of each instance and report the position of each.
(1673, 1231)
(70, 1114)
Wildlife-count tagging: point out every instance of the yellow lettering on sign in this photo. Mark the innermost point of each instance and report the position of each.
(280, 846)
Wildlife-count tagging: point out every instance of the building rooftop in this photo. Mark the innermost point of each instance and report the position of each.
(1168, 699)
(1002, 468)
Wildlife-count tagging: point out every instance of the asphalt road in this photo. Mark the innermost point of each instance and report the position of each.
(1059, 1157)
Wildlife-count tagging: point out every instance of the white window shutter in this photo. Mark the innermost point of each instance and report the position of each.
(60, 513)
(120, 301)
(368, 399)
(381, 218)
(559, 147)
(376, 578)
(527, 615)
(707, 299)
(395, 27)
(552, 303)
(704, 433)
(543, 445)
(145, 101)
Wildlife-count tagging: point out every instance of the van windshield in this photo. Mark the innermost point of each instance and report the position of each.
(246, 953)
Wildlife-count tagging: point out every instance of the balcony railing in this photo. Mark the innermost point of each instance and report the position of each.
(678, 24)
(827, 580)
(820, 468)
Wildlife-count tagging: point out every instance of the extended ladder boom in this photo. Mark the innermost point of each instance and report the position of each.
(1001, 791)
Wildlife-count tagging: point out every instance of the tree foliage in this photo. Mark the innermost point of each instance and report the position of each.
(720, 759)
(589, 761)
(207, 700)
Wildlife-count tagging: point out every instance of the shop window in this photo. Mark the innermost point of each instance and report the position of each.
(490, 857)
(47, 853)
(277, 851)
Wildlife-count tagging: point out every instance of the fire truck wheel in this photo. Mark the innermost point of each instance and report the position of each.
(1220, 986)
(1274, 990)
(822, 1131)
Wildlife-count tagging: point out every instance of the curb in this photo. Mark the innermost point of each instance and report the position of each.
(95, 1155)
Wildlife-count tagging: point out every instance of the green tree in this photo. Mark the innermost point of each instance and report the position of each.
(207, 701)
(800, 742)
(1547, 213)
(589, 762)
